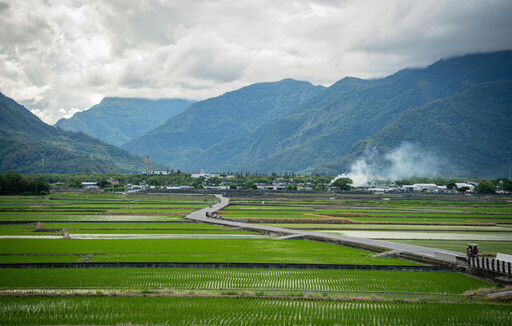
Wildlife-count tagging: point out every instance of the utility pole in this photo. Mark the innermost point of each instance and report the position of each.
(147, 165)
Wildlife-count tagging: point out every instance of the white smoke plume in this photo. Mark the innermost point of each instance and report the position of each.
(407, 160)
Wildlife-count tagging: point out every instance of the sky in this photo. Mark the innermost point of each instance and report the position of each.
(61, 57)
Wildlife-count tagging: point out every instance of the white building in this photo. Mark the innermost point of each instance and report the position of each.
(90, 185)
(462, 185)
(201, 173)
(425, 187)
(408, 188)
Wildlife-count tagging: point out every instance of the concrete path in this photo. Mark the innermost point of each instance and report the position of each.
(200, 216)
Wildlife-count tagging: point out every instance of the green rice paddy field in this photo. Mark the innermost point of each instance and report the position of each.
(197, 250)
(446, 218)
(241, 311)
(230, 278)
(235, 296)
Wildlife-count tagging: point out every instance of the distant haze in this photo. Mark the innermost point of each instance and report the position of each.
(405, 161)
(60, 57)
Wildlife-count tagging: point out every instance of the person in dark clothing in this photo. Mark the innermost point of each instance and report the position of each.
(474, 252)
(469, 251)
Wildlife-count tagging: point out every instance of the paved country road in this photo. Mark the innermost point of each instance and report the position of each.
(200, 216)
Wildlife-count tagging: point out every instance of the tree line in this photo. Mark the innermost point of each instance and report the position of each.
(12, 183)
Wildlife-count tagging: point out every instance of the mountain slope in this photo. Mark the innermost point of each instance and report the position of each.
(31, 158)
(214, 120)
(470, 132)
(118, 120)
(25, 139)
(317, 132)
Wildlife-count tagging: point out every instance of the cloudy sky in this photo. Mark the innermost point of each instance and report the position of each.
(58, 57)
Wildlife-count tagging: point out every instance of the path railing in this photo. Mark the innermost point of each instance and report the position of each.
(492, 265)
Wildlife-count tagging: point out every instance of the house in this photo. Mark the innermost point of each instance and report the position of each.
(90, 185)
(408, 188)
(425, 187)
(442, 188)
(177, 187)
(201, 173)
(462, 185)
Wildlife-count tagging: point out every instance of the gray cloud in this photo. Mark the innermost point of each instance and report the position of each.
(61, 56)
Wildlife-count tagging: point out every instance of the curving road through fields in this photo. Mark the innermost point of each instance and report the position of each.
(200, 216)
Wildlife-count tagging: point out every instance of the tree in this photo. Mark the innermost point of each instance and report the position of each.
(103, 183)
(342, 183)
(486, 188)
(504, 184)
(451, 185)
(75, 183)
(249, 185)
(13, 183)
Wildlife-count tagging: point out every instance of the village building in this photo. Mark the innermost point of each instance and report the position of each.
(90, 185)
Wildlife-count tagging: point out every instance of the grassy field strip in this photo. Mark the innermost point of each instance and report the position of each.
(435, 228)
(250, 292)
(215, 235)
(373, 220)
(226, 278)
(146, 232)
(242, 311)
(271, 213)
(164, 232)
(82, 217)
(373, 210)
(14, 259)
(81, 226)
(198, 250)
(398, 235)
(51, 228)
(353, 215)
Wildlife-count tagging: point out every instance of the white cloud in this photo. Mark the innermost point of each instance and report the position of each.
(56, 56)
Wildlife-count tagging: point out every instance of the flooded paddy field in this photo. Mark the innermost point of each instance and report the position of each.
(428, 220)
(86, 229)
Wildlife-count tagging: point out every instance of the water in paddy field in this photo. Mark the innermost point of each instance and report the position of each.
(400, 235)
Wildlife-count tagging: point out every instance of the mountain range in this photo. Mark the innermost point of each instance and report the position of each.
(118, 120)
(230, 116)
(457, 110)
(28, 145)
(323, 134)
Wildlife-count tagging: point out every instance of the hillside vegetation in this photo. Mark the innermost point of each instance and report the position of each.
(323, 131)
(229, 116)
(118, 120)
(470, 132)
(28, 145)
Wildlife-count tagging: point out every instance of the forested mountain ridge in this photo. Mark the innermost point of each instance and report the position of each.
(26, 142)
(118, 120)
(458, 108)
(320, 131)
(470, 132)
(222, 118)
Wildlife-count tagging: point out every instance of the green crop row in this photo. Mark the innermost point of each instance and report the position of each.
(199, 250)
(42, 217)
(16, 259)
(278, 212)
(28, 229)
(229, 278)
(241, 311)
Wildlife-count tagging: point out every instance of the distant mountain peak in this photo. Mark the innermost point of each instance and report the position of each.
(117, 120)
